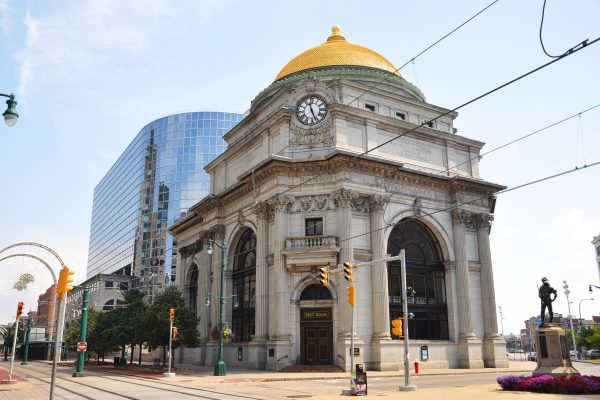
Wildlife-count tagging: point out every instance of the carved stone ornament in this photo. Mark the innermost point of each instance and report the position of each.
(240, 218)
(262, 209)
(417, 207)
(378, 202)
(311, 204)
(360, 205)
(484, 220)
(191, 249)
(343, 197)
(463, 217)
(302, 135)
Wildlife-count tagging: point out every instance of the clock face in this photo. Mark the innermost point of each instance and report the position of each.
(311, 110)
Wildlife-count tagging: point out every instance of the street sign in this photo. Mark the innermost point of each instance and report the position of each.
(81, 346)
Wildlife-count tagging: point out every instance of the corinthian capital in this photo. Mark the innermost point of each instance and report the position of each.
(463, 217)
(280, 202)
(262, 209)
(343, 197)
(484, 220)
(378, 202)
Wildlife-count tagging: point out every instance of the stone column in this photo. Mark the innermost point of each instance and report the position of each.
(493, 344)
(280, 342)
(379, 278)
(262, 211)
(466, 351)
(343, 200)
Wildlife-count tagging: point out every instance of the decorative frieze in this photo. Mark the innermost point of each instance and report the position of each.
(303, 136)
(404, 189)
(311, 204)
(280, 203)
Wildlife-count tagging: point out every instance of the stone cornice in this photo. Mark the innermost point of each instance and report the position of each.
(335, 163)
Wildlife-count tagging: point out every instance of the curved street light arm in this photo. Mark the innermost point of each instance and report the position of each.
(48, 249)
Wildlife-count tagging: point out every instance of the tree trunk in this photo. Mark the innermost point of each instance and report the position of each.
(164, 355)
(140, 356)
(132, 353)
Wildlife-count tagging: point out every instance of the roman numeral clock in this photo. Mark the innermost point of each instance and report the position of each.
(311, 110)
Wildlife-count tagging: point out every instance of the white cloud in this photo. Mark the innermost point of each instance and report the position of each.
(80, 43)
(5, 17)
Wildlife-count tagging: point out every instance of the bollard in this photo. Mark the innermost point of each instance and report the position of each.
(416, 367)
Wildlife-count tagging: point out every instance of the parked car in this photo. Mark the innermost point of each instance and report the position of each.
(573, 353)
(532, 356)
(593, 353)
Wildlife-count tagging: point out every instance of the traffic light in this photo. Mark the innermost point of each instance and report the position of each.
(324, 275)
(64, 281)
(348, 271)
(172, 314)
(175, 333)
(351, 295)
(397, 327)
(20, 309)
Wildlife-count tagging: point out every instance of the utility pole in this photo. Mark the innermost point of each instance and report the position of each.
(501, 320)
(567, 292)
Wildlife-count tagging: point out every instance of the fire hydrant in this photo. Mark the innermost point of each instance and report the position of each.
(416, 364)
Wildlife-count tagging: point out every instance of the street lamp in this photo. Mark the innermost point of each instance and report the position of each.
(567, 292)
(10, 115)
(580, 320)
(220, 366)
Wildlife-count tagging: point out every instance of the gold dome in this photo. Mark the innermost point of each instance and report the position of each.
(336, 52)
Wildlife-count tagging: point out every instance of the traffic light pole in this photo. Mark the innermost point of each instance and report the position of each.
(82, 332)
(26, 350)
(57, 343)
(407, 386)
(170, 374)
(14, 348)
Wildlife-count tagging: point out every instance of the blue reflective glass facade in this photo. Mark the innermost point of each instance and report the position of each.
(159, 176)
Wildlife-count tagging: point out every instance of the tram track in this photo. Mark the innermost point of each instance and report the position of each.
(130, 380)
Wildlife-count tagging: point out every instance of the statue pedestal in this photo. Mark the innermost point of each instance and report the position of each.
(552, 352)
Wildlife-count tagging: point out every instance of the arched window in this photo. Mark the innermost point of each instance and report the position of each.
(425, 274)
(244, 287)
(192, 287)
(315, 292)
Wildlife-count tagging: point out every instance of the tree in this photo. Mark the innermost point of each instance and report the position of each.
(71, 335)
(156, 321)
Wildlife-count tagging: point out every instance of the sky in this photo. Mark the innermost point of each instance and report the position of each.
(88, 75)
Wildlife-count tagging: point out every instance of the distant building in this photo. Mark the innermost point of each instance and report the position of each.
(105, 294)
(155, 180)
(46, 312)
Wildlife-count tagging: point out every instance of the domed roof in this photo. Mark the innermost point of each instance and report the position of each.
(336, 52)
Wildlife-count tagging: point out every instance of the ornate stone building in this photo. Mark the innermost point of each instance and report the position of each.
(341, 159)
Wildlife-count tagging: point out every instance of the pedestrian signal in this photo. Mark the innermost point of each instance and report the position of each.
(172, 314)
(20, 309)
(175, 333)
(397, 327)
(348, 271)
(64, 281)
(324, 276)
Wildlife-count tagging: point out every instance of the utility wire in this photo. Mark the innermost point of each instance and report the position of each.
(582, 44)
(412, 60)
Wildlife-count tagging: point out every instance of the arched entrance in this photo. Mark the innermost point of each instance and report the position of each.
(425, 274)
(316, 327)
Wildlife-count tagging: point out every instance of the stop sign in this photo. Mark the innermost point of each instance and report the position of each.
(81, 346)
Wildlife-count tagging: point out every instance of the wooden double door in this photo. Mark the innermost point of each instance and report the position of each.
(317, 342)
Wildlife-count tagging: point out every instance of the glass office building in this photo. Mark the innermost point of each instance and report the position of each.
(159, 176)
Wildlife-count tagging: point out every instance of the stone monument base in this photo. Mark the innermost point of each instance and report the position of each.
(552, 352)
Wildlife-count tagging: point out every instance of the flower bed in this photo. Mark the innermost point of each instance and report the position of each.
(574, 384)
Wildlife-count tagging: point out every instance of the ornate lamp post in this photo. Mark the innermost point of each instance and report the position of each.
(10, 115)
(220, 366)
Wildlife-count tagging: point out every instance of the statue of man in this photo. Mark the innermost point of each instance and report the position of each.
(545, 293)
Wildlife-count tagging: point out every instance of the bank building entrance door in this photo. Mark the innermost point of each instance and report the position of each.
(316, 336)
